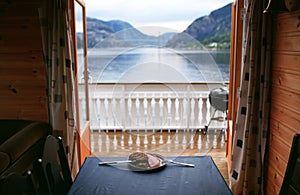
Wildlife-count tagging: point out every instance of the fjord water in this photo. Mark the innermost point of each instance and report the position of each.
(163, 65)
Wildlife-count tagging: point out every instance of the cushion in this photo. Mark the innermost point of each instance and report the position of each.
(9, 127)
(18, 143)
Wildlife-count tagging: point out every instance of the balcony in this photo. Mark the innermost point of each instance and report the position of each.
(158, 118)
(152, 107)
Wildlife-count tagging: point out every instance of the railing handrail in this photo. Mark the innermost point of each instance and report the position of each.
(150, 106)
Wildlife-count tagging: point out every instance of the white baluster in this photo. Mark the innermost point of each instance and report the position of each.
(207, 110)
(122, 111)
(169, 116)
(129, 106)
(98, 108)
(184, 117)
(200, 114)
(153, 113)
(106, 113)
(145, 102)
(177, 114)
(114, 106)
(161, 112)
(192, 118)
(137, 105)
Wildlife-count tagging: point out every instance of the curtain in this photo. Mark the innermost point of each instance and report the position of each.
(59, 63)
(251, 128)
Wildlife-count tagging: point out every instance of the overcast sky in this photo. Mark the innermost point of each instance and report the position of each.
(148, 15)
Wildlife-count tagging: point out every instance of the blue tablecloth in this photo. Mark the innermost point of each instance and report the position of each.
(204, 178)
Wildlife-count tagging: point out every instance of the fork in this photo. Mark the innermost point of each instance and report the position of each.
(179, 163)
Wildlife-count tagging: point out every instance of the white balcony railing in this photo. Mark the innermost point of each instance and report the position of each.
(152, 107)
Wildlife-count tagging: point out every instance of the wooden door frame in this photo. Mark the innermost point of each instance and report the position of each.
(235, 72)
(82, 134)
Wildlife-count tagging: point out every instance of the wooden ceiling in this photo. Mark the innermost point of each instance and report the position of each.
(22, 72)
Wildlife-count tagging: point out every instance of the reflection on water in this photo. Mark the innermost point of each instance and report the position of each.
(158, 65)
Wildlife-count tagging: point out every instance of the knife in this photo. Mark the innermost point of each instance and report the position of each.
(115, 162)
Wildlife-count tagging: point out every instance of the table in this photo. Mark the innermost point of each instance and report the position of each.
(204, 178)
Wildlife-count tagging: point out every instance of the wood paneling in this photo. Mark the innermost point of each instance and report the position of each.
(274, 181)
(280, 163)
(285, 96)
(281, 58)
(286, 115)
(282, 131)
(282, 94)
(287, 23)
(22, 72)
(279, 146)
(287, 42)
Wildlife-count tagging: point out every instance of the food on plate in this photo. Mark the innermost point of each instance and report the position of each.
(139, 159)
(144, 160)
(153, 161)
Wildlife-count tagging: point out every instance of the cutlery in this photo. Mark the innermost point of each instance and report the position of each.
(179, 163)
(115, 162)
(172, 161)
(158, 155)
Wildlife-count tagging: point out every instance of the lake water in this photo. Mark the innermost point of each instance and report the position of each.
(161, 65)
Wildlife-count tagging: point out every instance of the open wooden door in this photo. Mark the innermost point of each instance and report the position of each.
(83, 116)
(235, 71)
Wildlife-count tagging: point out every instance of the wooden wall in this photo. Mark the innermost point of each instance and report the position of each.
(285, 98)
(22, 74)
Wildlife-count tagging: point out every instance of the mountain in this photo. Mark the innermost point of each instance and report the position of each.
(215, 27)
(98, 30)
(117, 33)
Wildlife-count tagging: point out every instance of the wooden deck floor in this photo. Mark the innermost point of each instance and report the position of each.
(191, 143)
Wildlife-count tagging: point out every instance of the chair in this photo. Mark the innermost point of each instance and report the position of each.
(53, 168)
(18, 184)
(291, 180)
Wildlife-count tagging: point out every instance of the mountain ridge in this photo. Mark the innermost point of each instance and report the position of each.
(117, 33)
(212, 28)
(217, 23)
